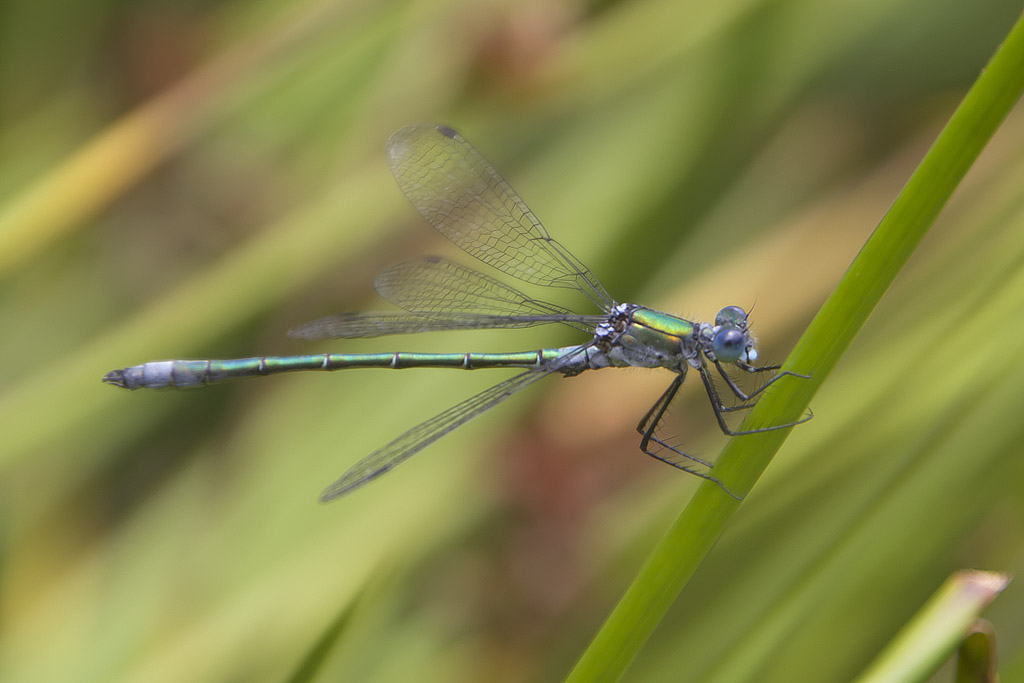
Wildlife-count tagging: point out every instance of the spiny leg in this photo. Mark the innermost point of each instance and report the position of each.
(750, 368)
(659, 407)
(720, 408)
(747, 399)
(649, 423)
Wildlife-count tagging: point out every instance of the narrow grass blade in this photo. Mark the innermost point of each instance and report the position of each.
(678, 554)
(941, 625)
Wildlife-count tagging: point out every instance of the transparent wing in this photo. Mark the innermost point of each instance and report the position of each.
(461, 195)
(361, 325)
(433, 287)
(356, 325)
(442, 295)
(426, 433)
(422, 435)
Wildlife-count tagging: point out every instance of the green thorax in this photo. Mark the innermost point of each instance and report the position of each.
(663, 324)
(654, 339)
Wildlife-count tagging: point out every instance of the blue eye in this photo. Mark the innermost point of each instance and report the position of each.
(729, 344)
(731, 315)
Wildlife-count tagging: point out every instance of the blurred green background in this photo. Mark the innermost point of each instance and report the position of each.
(193, 179)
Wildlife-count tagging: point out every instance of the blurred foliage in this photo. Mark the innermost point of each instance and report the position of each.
(192, 179)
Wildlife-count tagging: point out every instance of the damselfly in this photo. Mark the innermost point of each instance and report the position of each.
(461, 195)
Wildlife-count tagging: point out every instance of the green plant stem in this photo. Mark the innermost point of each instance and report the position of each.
(936, 631)
(744, 459)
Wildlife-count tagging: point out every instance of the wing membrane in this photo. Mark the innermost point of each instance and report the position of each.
(441, 295)
(461, 195)
(362, 325)
(433, 285)
(422, 435)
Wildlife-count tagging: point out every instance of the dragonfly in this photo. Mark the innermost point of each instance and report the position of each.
(459, 193)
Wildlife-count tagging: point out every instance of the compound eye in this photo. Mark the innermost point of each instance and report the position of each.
(729, 345)
(731, 315)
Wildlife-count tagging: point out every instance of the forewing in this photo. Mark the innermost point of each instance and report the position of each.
(461, 195)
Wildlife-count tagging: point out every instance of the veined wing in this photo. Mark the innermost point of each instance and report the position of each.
(422, 435)
(461, 195)
(433, 285)
(441, 295)
(356, 325)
